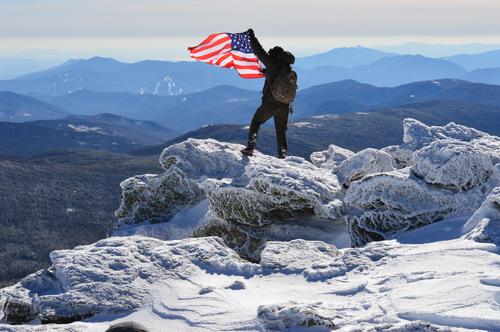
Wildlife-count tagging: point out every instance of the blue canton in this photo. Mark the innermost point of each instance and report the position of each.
(240, 42)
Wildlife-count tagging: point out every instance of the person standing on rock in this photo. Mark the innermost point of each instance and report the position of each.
(278, 94)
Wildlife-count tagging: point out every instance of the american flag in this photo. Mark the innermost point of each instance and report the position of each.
(229, 50)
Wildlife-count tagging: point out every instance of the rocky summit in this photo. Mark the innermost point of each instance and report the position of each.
(399, 239)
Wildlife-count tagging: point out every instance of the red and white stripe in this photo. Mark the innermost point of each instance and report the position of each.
(216, 50)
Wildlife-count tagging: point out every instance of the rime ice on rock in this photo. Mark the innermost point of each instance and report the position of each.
(484, 225)
(446, 160)
(331, 158)
(363, 163)
(156, 198)
(452, 163)
(244, 194)
(113, 276)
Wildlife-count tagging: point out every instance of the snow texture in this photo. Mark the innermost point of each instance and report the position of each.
(401, 157)
(331, 158)
(270, 246)
(452, 174)
(363, 163)
(200, 285)
(484, 225)
(155, 198)
(244, 194)
(453, 163)
(417, 135)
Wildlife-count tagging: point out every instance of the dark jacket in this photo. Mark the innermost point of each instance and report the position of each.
(274, 61)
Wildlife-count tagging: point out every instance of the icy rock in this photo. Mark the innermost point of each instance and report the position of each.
(246, 194)
(206, 290)
(112, 276)
(401, 157)
(363, 163)
(156, 198)
(384, 204)
(238, 237)
(237, 285)
(324, 260)
(417, 326)
(418, 135)
(205, 158)
(484, 225)
(452, 163)
(331, 158)
(278, 317)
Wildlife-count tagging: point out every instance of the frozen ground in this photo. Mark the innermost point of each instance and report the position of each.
(453, 282)
(424, 217)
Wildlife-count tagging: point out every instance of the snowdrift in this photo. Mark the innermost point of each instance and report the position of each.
(399, 239)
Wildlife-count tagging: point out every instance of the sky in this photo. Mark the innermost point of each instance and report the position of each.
(163, 29)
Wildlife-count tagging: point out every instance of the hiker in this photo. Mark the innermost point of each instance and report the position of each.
(277, 95)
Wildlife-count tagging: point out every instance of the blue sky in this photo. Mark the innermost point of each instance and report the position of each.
(133, 29)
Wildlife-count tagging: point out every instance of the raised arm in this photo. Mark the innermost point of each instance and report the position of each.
(259, 50)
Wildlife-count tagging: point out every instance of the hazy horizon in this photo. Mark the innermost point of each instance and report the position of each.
(162, 29)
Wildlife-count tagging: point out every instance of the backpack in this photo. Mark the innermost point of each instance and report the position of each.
(284, 85)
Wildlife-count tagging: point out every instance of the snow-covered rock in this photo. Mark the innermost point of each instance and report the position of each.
(278, 317)
(156, 198)
(446, 160)
(401, 157)
(112, 276)
(381, 205)
(244, 194)
(363, 163)
(197, 285)
(422, 266)
(453, 163)
(484, 225)
(331, 158)
(418, 135)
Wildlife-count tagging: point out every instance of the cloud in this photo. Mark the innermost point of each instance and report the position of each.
(317, 18)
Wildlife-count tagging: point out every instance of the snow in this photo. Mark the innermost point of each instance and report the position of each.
(331, 158)
(305, 124)
(199, 284)
(86, 129)
(365, 162)
(453, 163)
(223, 242)
(484, 225)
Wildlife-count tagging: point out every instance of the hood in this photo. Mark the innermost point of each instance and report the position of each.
(286, 56)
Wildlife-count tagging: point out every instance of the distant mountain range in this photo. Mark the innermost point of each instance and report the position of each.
(354, 131)
(108, 75)
(18, 108)
(490, 59)
(105, 132)
(227, 104)
(351, 96)
(181, 113)
(175, 78)
(343, 57)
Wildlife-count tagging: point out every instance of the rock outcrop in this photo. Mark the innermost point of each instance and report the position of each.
(244, 194)
(112, 276)
(484, 225)
(201, 284)
(450, 173)
(363, 163)
(331, 158)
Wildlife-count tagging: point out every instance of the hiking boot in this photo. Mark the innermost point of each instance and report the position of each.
(248, 151)
(282, 153)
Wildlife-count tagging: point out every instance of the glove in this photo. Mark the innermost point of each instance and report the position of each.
(251, 33)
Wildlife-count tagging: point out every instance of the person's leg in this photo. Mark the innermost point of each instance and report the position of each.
(281, 125)
(263, 113)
